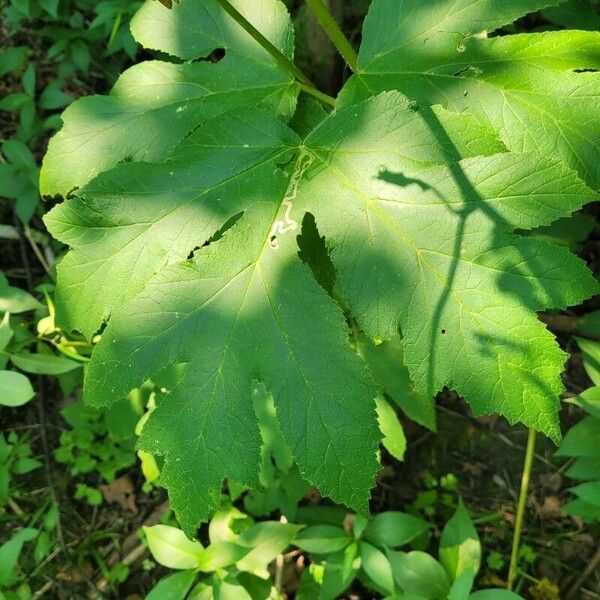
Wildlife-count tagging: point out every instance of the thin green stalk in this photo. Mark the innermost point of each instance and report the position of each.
(318, 94)
(335, 34)
(527, 465)
(305, 83)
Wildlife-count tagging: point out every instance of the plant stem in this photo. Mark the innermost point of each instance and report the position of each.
(527, 465)
(334, 32)
(305, 83)
(318, 94)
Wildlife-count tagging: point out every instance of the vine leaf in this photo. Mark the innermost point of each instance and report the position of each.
(418, 207)
(540, 91)
(155, 104)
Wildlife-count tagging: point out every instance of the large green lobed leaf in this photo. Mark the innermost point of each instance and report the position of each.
(189, 253)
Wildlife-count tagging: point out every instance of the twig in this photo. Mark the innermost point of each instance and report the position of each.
(592, 566)
(45, 588)
(15, 507)
(498, 435)
(36, 250)
(48, 559)
(138, 551)
(279, 565)
(132, 540)
(134, 556)
(24, 256)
